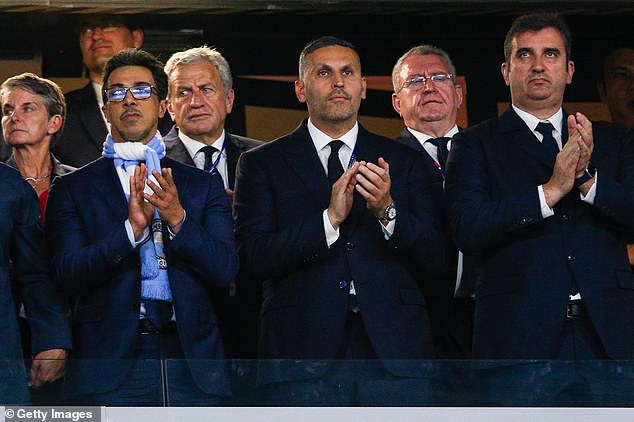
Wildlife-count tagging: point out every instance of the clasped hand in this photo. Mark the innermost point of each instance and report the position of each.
(572, 160)
(164, 198)
(373, 183)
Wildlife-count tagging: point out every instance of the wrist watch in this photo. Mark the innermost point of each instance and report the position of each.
(587, 175)
(389, 214)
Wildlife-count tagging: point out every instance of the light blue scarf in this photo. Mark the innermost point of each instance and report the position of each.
(127, 155)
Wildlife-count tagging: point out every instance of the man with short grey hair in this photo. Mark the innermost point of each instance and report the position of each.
(427, 97)
(200, 96)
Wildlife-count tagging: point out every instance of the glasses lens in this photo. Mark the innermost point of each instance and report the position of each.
(416, 82)
(440, 78)
(141, 92)
(116, 94)
(110, 27)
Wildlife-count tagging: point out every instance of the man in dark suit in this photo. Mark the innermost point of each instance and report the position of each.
(22, 250)
(547, 221)
(200, 96)
(143, 272)
(340, 248)
(427, 97)
(100, 38)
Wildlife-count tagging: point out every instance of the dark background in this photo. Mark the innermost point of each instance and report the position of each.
(268, 42)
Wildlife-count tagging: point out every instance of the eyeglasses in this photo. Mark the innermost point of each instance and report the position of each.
(139, 92)
(88, 30)
(417, 82)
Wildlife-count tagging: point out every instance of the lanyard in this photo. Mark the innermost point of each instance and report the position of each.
(217, 161)
(440, 169)
(353, 156)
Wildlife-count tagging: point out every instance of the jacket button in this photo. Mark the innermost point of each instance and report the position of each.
(343, 284)
(570, 257)
(349, 246)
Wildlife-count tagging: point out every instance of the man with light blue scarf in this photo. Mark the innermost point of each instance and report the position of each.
(144, 243)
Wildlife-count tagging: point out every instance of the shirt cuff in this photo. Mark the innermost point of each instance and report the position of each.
(546, 210)
(592, 192)
(388, 230)
(133, 242)
(331, 234)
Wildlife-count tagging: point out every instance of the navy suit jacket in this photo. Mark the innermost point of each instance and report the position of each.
(528, 265)
(93, 260)
(84, 132)
(22, 243)
(281, 192)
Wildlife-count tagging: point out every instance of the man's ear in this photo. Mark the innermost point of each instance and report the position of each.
(138, 36)
(300, 92)
(162, 108)
(505, 73)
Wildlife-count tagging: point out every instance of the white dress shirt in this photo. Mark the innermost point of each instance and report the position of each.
(349, 139)
(194, 148)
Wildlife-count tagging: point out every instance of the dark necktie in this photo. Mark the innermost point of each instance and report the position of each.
(442, 150)
(335, 169)
(209, 156)
(546, 129)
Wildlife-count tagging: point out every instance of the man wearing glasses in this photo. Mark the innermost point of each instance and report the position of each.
(100, 38)
(143, 242)
(427, 97)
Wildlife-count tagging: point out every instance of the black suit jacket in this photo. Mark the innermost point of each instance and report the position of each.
(439, 293)
(281, 193)
(84, 132)
(92, 259)
(528, 265)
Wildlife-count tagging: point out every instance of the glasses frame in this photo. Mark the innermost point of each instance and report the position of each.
(88, 30)
(131, 90)
(424, 80)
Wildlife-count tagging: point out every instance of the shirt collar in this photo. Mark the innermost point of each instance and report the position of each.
(423, 137)
(321, 140)
(193, 146)
(532, 121)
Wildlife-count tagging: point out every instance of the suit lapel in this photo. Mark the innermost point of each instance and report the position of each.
(299, 152)
(524, 138)
(410, 140)
(176, 148)
(108, 186)
(233, 153)
(92, 120)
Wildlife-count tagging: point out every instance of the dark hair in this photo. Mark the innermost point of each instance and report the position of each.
(325, 41)
(136, 57)
(536, 22)
(48, 91)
